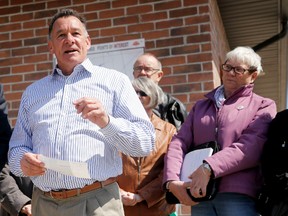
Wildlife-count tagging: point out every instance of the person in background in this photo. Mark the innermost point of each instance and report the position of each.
(79, 113)
(238, 119)
(171, 109)
(15, 194)
(141, 181)
(5, 129)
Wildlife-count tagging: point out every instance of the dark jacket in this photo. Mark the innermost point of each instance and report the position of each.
(15, 192)
(172, 111)
(5, 129)
(273, 199)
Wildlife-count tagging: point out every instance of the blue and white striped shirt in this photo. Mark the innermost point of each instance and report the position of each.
(48, 124)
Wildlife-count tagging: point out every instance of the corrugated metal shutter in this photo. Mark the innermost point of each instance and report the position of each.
(248, 23)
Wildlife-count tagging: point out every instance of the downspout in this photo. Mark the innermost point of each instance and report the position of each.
(274, 38)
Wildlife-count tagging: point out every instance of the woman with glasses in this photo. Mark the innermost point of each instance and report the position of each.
(238, 119)
(141, 181)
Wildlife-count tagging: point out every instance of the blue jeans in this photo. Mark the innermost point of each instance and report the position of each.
(226, 204)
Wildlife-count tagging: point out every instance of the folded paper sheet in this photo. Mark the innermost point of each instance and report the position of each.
(192, 161)
(77, 169)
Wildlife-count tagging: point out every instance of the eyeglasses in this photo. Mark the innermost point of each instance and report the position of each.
(141, 93)
(148, 70)
(238, 69)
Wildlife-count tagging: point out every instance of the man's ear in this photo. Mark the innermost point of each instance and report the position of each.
(88, 42)
(50, 47)
(160, 74)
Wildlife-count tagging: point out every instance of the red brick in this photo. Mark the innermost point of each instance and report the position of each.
(195, 2)
(35, 41)
(37, 75)
(99, 24)
(124, 3)
(11, 79)
(170, 42)
(199, 38)
(4, 3)
(23, 51)
(10, 61)
(21, 17)
(200, 77)
(11, 44)
(34, 24)
(194, 20)
(169, 5)
(96, 6)
(187, 68)
(4, 54)
(183, 12)
(111, 13)
(20, 86)
(142, 27)
(125, 20)
(185, 49)
(113, 31)
(10, 10)
(22, 34)
(41, 32)
(169, 23)
(23, 68)
(36, 58)
(201, 57)
(171, 80)
(43, 67)
(127, 37)
(173, 60)
(139, 10)
(10, 27)
(188, 87)
(162, 15)
(5, 71)
(58, 4)
(33, 7)
(156, 34)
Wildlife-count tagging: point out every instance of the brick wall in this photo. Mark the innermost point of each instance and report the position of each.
(180, 32)
(186, 35)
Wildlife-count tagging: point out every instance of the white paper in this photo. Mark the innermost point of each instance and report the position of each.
(77, 169)
(192, 161)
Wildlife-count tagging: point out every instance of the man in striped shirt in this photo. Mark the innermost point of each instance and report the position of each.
(79, 113)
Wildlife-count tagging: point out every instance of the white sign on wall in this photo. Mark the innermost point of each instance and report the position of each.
(119, 55)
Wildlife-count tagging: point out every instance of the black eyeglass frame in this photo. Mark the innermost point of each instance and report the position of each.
(250, 70)
(141, 93)
(147, 70)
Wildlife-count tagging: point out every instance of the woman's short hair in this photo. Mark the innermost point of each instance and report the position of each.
(151, 89)
(245, 55)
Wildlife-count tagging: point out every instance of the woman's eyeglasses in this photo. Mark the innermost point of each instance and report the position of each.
(237, 69)
(141, 93)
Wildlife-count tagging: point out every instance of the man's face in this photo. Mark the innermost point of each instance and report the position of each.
(69, 42)
(147, 66)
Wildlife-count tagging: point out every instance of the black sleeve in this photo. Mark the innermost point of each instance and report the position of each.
(5, 129)
(15, 192)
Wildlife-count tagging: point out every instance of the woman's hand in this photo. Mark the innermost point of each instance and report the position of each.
(130, 199)
(200, 178)
(179, 189)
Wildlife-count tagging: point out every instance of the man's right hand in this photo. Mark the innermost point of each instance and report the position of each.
(31, 165)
